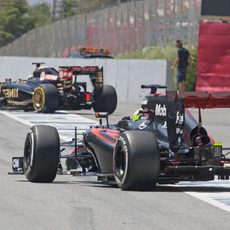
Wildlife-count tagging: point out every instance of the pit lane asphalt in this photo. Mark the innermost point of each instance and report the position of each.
(83, 203)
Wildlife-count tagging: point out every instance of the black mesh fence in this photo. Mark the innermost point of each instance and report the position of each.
(122, 28)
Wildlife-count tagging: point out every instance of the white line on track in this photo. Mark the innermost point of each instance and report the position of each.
(63, 121)
(220, 198)
(66, 123)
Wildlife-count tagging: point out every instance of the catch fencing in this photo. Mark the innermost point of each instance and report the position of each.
(122, 28)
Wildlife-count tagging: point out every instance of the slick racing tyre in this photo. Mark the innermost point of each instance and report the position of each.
(105, 99)
(136, 160)
(45, 98)
(41, 154)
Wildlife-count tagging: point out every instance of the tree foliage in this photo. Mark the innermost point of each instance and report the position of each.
(17, 18)
(84, 6)
(91, 5)
(13, 19)
(40, 15)
(69, 8)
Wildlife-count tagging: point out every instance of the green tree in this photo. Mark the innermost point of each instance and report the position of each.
(69, 8)
(40, 15)
(14, 20)
(17, 18)
(77, 7)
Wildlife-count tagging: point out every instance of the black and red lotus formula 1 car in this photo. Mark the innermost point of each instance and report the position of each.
(48, 90)
(165, 145)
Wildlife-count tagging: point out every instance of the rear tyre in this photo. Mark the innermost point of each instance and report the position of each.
(136, 160)
(41, 154)
(105, 99)
(45, 98)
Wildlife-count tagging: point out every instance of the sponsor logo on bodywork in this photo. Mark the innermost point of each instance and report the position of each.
(10, 93)
(160, 110)
(45, 76)
(179, 118)
(144, 124)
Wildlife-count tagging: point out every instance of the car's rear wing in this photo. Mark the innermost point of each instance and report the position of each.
(204, 100)
(81, 70)
(94, 72)
(153, 87)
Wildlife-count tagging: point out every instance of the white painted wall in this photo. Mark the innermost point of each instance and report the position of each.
(125, 75)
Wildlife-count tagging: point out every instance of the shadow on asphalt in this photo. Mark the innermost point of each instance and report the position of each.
(158, 188)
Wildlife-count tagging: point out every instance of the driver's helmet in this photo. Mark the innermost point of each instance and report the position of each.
(144, 103)
(36, 74)
(138, 114)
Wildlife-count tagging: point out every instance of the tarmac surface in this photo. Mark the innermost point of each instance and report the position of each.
(81, 202)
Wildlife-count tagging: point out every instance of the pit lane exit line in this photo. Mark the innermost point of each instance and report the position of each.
(220, 198)
(65, 124)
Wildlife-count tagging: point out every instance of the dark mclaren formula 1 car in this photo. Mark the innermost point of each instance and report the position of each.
(48, 90)
(165, 145)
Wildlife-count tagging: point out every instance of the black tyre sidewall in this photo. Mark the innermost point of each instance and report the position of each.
(105, 99)
(51, 98)
(142, 160)
(41, 163)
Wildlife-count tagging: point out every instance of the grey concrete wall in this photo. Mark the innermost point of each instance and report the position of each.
(125, 75)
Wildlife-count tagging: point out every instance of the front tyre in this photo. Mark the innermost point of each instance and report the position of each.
(136, 160)
(45, 98)
(41, 154)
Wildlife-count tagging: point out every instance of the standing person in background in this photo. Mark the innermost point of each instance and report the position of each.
(182, 62)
